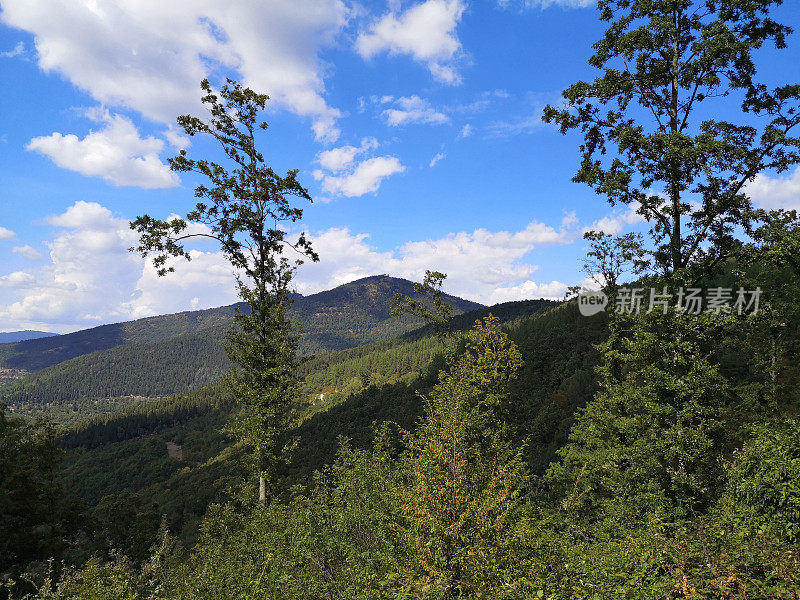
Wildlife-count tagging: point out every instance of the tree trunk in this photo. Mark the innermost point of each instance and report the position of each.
(262, 490)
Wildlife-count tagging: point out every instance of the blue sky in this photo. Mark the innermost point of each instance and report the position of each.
(415, 125)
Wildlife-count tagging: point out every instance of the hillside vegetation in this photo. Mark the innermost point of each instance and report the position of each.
(188, 353)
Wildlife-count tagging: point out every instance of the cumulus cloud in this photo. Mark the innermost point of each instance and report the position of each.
(91, 277)
(616, 222)
(485, 266)
(150, 56)
(28, 252)
(116, 153)
(425, 31)
(411, 109)
(17, 279)
(338, 159)
(342, 175)
(6, 234)
(176, 140)
(555, 290)
(772, 193)
(365, 178)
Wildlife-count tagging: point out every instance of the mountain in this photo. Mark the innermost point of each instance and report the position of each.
(99, 369)
(33, 355)
(8, 337)
(358, 313)
(347, 316)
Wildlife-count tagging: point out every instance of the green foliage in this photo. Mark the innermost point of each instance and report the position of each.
(647, 139)
(763, 485)
(648, 443)
(462, 508)
(610, 258)
(36, 519)
(437, 317)
(332, 543)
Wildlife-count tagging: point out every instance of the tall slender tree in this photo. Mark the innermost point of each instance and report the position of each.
(652, 138)
(244, 206)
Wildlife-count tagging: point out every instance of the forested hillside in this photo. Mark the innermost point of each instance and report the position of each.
(148, 361)
(33, 355)
(125, 454)
(349, 315)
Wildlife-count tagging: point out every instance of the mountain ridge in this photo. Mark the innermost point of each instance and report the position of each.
(184, 351)
(9, 337)
(320, 316)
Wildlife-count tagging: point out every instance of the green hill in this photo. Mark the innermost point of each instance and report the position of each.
(159, 356)
(125, 453)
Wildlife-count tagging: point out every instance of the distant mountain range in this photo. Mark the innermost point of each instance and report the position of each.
(8, 337)
(346, 316)
(173, 353)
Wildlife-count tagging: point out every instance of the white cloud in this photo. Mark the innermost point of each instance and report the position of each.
(91, 277)
(439, 156)
(616, 222)
(17, 50)
(366, 177)
(116, 153)
(338, 159)
(150, 56)
(17, 279)
(6, 234)
(554, 290)
(176, 140)
(484, 266)
(426, 32)
(28, 252)
(772, 193)
(412, 109)
(347, 177)
(466, 131)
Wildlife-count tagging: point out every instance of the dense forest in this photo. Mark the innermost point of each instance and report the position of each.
(640, 440)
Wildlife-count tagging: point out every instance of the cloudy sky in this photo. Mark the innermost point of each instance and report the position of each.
(415, 125)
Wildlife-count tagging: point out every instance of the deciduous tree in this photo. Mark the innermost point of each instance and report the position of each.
(654, 133)
(245, 206)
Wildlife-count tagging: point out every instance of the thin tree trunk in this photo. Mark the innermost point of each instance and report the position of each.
(262, 489)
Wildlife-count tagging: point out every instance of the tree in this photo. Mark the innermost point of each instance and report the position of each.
(437, 316)
(648, 139)
(648, 445)
(612, 257)
(462, 507)
(36, 518)
(244, 207)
